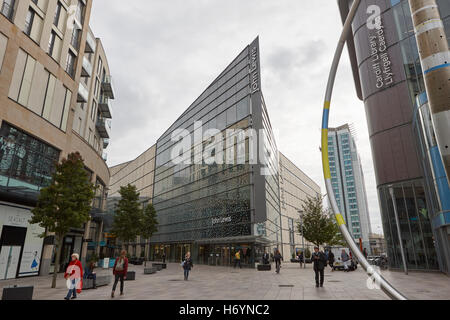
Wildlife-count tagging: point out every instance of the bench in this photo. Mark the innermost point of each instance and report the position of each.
(264, 267)
(150, 270)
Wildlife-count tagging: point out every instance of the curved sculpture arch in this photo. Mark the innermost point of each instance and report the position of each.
(371, 272)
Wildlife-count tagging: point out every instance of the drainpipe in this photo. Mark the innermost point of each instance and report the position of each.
(435, 59)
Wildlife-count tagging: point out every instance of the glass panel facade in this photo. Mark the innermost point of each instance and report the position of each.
(199, 202)
(415, 226)
(26, 164)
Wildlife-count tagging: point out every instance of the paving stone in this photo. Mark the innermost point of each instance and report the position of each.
(224, 283)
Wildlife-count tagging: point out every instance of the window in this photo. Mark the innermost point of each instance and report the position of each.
(51, 42)
(80, 12)
(93, 110)
(25, 163)
(97, 89)
(33, 25)
(29, 21)
(70, 65)
(99, 67)
(57, 14)
(8, 8)
(76, 35)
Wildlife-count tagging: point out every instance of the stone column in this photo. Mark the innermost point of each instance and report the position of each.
(46, 258)
(84, 245)
(435, 59)
(99, 238)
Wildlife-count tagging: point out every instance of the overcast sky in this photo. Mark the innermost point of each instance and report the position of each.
(164, 53)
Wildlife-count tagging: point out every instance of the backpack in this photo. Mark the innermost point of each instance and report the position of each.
(120, 264)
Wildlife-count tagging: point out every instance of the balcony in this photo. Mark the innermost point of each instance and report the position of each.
(107, 87)
(86, 70)
(83, 93)
(103, 127)
(7, 10)
(90, 43)
(105, 156)
(104, 106)
(105, 143)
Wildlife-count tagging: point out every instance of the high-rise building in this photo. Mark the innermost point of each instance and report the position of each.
(408, 167)
(215, 209)
(54, 90)
(348, 184)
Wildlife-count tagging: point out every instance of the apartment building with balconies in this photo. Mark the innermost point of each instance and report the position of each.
(54, 76)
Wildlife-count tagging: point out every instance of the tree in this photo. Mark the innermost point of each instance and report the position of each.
(65, 204)
(318, 227)
(128, 216)
(149, 225)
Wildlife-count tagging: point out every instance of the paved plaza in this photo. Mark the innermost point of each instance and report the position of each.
(223, 283)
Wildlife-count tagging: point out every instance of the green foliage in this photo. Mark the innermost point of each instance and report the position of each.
(66, 203)
(128, 216)
(130, 220)
(307, 253)
(149, 222)
(318, 227)
(93, 258)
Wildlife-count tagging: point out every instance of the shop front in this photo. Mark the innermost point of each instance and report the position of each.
(20, 244)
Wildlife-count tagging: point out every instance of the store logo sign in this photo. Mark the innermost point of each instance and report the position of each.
(221, 220)
(381, 62)
(254, 70)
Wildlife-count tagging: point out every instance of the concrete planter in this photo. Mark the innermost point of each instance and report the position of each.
(150, 270)
(101, 281)
(18, 293)
(131, 275)
(264, 267)
(158, 266)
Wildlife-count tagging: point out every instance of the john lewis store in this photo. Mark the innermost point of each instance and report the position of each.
(214, 210)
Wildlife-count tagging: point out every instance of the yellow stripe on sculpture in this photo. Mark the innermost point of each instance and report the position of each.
(325, 161)
(340, 219)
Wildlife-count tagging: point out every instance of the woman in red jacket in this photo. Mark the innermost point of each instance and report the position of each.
(120, 272)
(74, 276)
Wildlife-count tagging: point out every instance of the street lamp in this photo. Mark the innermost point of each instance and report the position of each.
(303, 238)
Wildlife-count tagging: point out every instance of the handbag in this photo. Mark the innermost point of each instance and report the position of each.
(183, 263)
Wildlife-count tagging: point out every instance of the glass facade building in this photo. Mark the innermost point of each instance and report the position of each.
(389, 78)
(233, 204)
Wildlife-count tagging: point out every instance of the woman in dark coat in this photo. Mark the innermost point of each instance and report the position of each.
(120, 272)
(187, 265)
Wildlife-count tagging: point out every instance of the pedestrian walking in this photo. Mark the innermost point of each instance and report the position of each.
(331, 260)
(345, 260)
(187, 265)
(266, 258)
(120, 270)
(164, 257)
(319, 262)
(300, 258)
(278, 257)
(365, 253)
(237, 259)
(74, 276)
